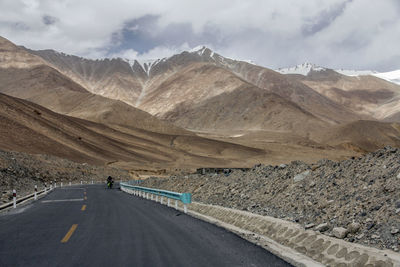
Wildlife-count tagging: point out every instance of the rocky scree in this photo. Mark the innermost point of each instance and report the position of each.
(361, 195)
(23, 171)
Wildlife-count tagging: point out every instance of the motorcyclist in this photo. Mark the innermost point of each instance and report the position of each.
(110, 182)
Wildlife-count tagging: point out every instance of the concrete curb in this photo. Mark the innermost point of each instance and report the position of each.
(288, 240)
(289, 255)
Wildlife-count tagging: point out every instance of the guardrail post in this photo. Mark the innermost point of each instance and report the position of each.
(151, 197)
(148, 195)
(168, 202)
(176, 204)
(81, 182)
(156, 198)
(35, 192)
(186, 198)
(14, 198)
(69, 183)
(61, 185)
(161, 200)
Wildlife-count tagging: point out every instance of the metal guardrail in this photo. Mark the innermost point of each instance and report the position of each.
(19, 200)
(34, 195)
(185, 198)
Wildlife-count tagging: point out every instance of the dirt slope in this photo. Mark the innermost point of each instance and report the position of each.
(38, 82)
(30, 128)
(247, 108)
(363, 136)
(367, 95)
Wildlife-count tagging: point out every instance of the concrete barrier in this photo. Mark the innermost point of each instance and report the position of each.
(292, 242)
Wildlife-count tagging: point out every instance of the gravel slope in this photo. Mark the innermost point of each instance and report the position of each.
(364, 191)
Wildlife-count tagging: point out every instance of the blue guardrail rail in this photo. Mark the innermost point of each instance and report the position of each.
(185, 198)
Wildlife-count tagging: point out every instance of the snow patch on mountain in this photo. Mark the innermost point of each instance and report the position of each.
(354, 73)
(146, 64)
(391, 76)
(303, 69)
(200, 49)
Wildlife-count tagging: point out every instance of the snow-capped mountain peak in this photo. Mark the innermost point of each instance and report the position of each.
(303, 69)
(198, 49)
(202, 50)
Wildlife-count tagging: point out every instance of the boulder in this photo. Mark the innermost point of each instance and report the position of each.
(322, 227)
(394, 231)
(310, 225)
(301, 176)
(282, 166)
(353, 227)
(339, 232)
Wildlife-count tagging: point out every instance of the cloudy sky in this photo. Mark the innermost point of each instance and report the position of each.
(350, 34)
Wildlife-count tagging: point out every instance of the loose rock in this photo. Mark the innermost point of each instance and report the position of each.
(394, 231)
(340, 232)
(353, 227)
(301, 176)
(310, 225)
(337, 193)
(322, 227)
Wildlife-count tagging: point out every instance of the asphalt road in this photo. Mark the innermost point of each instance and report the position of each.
(95, 226)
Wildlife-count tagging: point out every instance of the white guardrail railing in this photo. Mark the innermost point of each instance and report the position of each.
(153, 194)
(37, 193)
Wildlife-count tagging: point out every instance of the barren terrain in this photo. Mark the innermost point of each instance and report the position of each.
(362, 190)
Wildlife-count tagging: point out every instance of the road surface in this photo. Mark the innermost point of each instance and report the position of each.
(95, 226)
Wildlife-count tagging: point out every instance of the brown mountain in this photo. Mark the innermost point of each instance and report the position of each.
(246, 108)
(363, 136)
(193, 77)
(365, 94)
(203, 91)
(35, 81)
(30, 128)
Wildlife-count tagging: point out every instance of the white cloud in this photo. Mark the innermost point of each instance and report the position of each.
(154, 53)
(365, 34)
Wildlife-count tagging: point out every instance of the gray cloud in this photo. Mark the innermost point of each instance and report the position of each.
(49, 20)
(334, 33)
(324, 19)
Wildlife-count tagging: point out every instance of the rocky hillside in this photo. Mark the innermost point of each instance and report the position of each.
(359, 194)
(22, 172)
(365, 94)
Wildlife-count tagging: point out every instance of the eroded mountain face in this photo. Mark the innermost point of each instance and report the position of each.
(203, 91)
(190, 78)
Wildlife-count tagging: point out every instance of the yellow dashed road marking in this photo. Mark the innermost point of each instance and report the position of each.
(69, 234)
(83, 208)
(85, 198)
